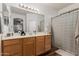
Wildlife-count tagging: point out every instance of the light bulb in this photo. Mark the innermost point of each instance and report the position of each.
(21, 5)
(29, 7)
(24, 6)
(32, 8)
(37, 9)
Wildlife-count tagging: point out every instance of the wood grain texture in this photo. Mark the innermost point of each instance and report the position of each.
(47, 43)
(12, 47)
(29, 46)
(39, 45)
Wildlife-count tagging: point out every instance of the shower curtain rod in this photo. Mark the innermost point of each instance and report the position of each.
(66, 12)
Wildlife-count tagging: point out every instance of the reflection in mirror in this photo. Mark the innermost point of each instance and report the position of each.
(32, 26)
(0, 26)
(41, 26)
(6, 24)
(18, 25)
(40, 21)
(35, 22)
(6, 20)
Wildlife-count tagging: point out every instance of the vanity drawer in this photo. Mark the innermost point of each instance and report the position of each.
(40, 38)
(10, 42)
(29, 40)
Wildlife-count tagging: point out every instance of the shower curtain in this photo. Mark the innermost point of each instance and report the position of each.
(77, 37)
(64, 31)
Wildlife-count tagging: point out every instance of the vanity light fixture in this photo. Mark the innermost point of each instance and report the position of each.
(29, 8)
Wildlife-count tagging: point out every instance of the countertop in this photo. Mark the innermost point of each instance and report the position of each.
(27, 35)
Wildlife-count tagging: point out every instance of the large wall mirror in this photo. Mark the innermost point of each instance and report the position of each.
(16, 19)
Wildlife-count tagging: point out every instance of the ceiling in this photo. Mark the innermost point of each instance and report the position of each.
(48, 8)
(53, 6)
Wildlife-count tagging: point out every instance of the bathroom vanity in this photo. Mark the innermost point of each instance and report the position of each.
(26, 45)
(14, 20)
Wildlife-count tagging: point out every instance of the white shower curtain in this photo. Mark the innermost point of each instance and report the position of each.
(77, 37)
(64, 31)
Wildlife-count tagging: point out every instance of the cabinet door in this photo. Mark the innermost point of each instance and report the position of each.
(47, 42)
(39, 45)
(11, 47)
(29, 46)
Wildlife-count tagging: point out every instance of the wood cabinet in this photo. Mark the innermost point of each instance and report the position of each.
(11, 47)
(39, 45)
(0, 50)
(47, 43)
(29, 46)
